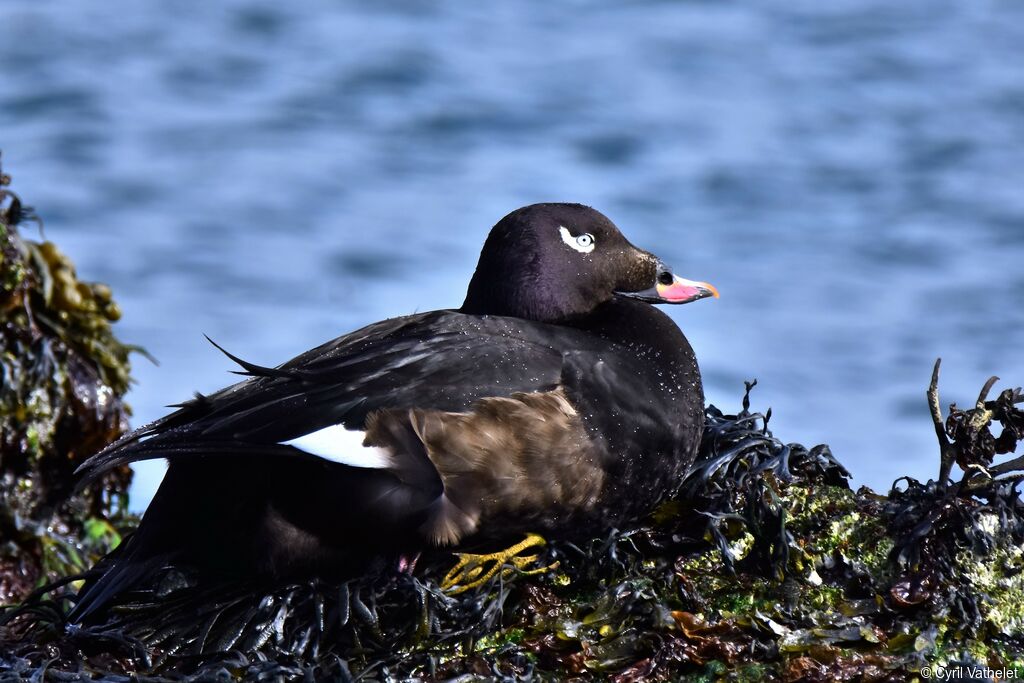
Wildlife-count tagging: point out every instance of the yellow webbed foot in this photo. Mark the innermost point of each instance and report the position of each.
(472, 571)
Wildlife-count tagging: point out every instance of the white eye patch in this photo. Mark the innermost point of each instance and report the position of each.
(582, 243)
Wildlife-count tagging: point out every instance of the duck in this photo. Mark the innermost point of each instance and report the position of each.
(556, 400)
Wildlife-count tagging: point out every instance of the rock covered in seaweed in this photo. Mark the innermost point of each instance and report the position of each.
(63, 376)
(767, 566)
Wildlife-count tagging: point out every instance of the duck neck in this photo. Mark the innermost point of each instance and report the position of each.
(642, 326)
(509, 300)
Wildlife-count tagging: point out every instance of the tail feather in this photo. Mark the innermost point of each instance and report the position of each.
(189, 517)
(235, 509)
(123, 575)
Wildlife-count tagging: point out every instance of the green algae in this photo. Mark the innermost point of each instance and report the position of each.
(63, 374)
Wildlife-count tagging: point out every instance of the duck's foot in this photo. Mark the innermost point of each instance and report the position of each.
(472, 571)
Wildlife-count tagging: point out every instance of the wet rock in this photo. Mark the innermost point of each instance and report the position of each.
(63, 375)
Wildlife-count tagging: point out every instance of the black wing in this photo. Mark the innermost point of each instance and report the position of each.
(442, 360)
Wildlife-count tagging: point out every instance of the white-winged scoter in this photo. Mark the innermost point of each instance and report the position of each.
(556, 399)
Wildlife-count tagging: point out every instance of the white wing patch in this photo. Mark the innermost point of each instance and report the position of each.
(344, 446)
(582, 243)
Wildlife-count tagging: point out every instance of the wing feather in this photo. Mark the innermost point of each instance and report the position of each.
(441, 360)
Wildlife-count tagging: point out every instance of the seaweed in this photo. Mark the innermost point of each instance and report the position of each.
(63, 375)
(764, 566)
(957, 545)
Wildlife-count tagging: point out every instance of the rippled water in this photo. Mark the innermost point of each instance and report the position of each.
(849, 174)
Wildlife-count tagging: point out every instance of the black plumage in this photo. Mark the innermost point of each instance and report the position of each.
(556, 399)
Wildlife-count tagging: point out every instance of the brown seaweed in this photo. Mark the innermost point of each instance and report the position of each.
(63, 375)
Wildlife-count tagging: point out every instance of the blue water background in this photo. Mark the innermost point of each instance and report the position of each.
(850, 174)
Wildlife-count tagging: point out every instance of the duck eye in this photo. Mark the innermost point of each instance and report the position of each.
(582, 243)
